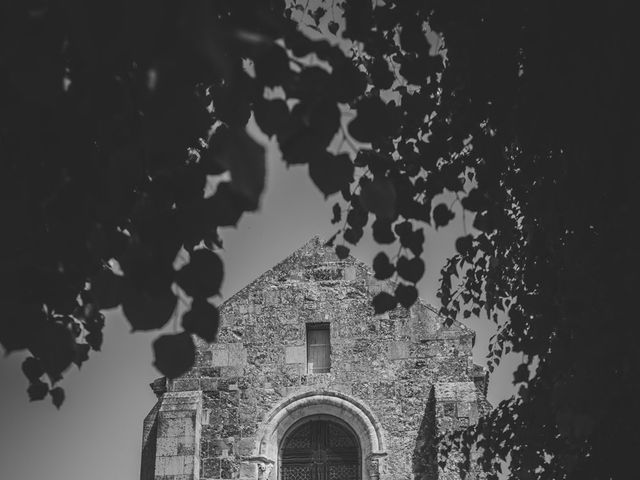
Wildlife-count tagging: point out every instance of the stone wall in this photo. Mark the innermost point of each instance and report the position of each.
(388, 364)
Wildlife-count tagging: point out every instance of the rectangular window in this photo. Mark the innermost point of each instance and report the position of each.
(318, 348)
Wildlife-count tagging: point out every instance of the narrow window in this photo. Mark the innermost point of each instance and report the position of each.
(318, 348)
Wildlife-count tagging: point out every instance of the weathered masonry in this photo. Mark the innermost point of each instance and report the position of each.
(306, 383)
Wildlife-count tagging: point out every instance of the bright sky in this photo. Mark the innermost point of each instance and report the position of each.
(97, 432)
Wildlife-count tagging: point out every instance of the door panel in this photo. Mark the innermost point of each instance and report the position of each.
(320, 450)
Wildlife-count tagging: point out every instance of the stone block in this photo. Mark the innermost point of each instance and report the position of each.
(237, 355)
(464, 409)
(185, 384)
(220, 357)
(398, 350)
(349, 273)
(208, 384)
(295, 354)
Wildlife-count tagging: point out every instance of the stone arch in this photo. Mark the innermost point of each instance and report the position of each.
(344, 407)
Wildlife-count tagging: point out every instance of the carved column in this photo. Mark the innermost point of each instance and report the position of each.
(373, 466)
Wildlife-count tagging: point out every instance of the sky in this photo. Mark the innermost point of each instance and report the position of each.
(97, 432)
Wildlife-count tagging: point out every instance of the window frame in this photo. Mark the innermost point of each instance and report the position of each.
(318, 326)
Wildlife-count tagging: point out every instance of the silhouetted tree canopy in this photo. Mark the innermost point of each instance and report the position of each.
(116, 116)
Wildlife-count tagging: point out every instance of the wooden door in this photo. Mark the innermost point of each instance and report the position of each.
(320, 450)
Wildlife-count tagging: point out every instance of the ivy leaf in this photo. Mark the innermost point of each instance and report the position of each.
(108, 289)
(94, 339)
(357, 216)
(521, 374)
(37, 390)
(382, 231)
(342, 252)
(331, 173)
(337, 213)
(57, 396)
(464, 245)
(347, 82)
(353, 235)
(411, 270)
(81, 353)
(382, 267)
(412, 38)
(225, 207)
(144, 311)
(406, 295)
(317, 14)
(32, 369)
(174, 354)
(271, 115)
(379, 197)
(442, 215)
(359, 18)
(373, 121)
(202, 319)
(202, 276)
(54, 346)
(244, 158)
(17, 324)
(383, 302)
(381, 76)
(409, 238)
(272, 66)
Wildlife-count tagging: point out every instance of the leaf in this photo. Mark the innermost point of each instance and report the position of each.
(357, 216)
(342, 252)
(81, 353)
(442, 215)
(94, 340)
(373, 121)
(331, 173)
(347, 81)
(381, 76)
(245, 160)
(271, 115)
(464, 245)
(202, 276)
(353, 235)
(108, 289)
(382, 267)
(521, 374)
(406, 295)
(379, 197)
(225, 207)
(202, 319)
(412, 38)
(54, 346)
(359, 18)
(37, 390)
(32, 369)
(18, 322)
(174, 354)
(272, 66)
(337, 213)
(411, 270)
(383, 302)
(57, 396)
(409, 238)
(317, 14)
(382, 231)
(144, 311)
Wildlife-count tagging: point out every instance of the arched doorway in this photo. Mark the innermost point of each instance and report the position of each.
(320, 447)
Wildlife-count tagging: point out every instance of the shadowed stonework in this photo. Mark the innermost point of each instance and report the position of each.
(300, 346)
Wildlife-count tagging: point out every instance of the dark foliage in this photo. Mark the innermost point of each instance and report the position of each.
(115, 115)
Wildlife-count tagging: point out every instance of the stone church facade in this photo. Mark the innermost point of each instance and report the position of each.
(305, 382)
